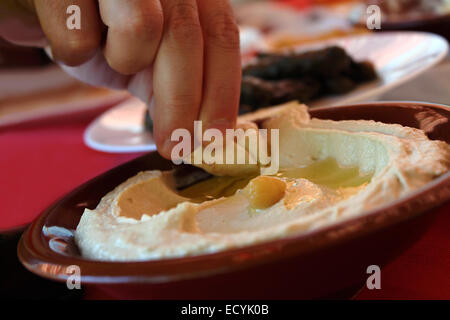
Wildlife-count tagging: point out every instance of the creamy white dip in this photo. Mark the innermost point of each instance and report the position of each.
(146, 218)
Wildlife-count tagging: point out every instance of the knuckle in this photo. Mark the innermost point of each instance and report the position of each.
(223, 31)
(75, 51)
(127, 62)
(142, 26)
(123, 66)
(182, 102)
(184, 25)
(80, 45)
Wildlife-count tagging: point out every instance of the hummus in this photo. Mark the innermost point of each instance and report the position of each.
(329, 171)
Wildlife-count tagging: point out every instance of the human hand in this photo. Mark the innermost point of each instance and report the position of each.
(186, 50)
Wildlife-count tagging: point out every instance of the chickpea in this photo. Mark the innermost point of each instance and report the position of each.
(264, 191)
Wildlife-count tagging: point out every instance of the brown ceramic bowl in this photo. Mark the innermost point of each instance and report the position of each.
(304, 266)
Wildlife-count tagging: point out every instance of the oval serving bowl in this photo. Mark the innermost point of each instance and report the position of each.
(318, 264)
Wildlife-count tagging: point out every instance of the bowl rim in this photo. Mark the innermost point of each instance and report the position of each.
(43, 261)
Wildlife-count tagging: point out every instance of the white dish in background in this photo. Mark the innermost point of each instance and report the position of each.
(121, 129)
(397, 56)
(432, 86)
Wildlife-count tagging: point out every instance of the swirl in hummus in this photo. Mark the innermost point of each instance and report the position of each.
(329, 171)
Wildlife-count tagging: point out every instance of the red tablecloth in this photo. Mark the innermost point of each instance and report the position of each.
(40, 162)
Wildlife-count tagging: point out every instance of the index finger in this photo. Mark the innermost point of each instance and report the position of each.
(222, 64)
(177, 73)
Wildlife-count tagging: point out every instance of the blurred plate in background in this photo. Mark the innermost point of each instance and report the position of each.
(398, 57)
(34, 93)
